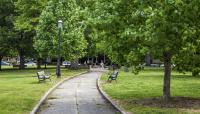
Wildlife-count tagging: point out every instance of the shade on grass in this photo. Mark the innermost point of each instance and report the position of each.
(20, 90)
(149, 84)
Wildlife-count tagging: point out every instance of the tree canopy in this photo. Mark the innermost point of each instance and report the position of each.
(73, 42)
(132, 28)
(6, 27)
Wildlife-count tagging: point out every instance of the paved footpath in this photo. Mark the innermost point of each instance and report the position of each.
(78, 96)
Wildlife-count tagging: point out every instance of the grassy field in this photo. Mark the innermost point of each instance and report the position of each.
(11, 67)
(20, 90)
(135, 93)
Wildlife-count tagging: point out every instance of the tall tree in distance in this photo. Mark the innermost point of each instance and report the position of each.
(73, 43)
(27, 18)
(6, 27)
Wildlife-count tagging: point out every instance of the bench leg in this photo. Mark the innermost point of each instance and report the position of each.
(116, 81)
(48, 78)
(41, 81)
(109, 80)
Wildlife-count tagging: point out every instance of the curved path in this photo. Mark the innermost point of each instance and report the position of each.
(77, 96)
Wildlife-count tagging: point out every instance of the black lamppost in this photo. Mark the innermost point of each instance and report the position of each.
(60, 26)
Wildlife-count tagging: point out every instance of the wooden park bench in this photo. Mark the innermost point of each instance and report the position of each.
(113, 76)
(42, 76)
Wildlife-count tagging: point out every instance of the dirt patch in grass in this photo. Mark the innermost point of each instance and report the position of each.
(175, 102)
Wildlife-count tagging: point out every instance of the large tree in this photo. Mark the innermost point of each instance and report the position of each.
(73, 43)
(174, 27)
(6, 27)
(134, 27)
(27, 18)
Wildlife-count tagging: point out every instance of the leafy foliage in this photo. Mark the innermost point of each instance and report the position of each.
(73, 42)
(6, 25)
(132, 28)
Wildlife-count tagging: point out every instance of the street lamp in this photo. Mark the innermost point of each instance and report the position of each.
(60, 26)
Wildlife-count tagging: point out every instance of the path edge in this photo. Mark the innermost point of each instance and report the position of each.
(44, 97)
(105, 95)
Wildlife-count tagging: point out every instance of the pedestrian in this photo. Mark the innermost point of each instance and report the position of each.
(102, 65)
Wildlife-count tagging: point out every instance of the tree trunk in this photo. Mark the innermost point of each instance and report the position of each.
(148, 59)
(45, 64)
(39, 63)
(195, 73)
(1, 57)
(104, 58)
(21, 54)
(96, 61)
(92, 60)
(88, 60)
(74, 64)
(167, 75)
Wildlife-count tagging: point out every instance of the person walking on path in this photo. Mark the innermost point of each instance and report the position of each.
(102, 65)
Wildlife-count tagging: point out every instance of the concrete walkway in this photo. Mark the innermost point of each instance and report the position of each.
(78, 96)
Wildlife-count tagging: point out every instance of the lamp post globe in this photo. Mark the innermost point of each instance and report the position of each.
(60, 24)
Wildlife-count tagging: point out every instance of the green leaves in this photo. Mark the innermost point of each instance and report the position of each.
(6, 25)
(28, 13)
(73, 42)
(131, 28)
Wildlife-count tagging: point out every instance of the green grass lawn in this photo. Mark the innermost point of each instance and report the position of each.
(11, 67)
(20, 90)
(131, 89)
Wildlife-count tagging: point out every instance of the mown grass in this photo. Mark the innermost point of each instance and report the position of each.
(28, 67)
(131, 88)
(20, 90)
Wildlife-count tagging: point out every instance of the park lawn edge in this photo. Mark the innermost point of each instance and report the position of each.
(108, 98)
